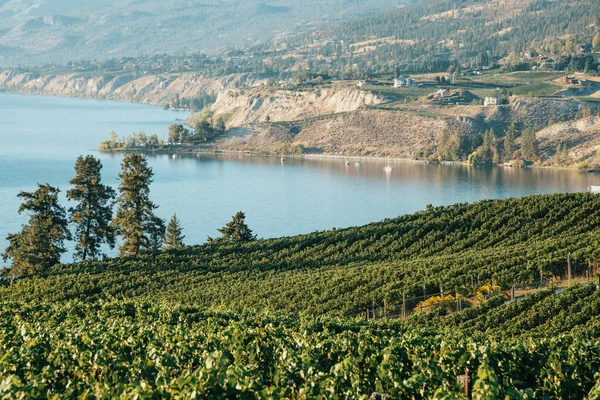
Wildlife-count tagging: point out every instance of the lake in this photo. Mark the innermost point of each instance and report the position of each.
(42, 136)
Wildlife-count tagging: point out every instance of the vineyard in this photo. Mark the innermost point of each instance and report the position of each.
(273, 318)
(141, 349)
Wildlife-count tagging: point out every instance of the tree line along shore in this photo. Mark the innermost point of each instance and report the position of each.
(41, 241)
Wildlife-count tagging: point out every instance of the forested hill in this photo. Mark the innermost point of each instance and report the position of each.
(434, 34)
(341, 271)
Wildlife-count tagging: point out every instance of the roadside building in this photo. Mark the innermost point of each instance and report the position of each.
(491, 102)
(405, 83)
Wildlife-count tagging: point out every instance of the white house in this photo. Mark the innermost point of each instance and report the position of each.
(404, 83)
(491, 102)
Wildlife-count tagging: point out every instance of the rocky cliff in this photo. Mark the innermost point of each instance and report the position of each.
(241, 107)
(582, 138)
(150, 89)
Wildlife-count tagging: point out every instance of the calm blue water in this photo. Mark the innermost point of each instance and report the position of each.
(40, 138)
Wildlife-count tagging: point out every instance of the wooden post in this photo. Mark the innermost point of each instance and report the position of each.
(569, 267)
(367, 313)
(512, 293)
(466, 381)
(442, 291)
(588, 275)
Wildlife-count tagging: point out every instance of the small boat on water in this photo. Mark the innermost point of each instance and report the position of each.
(358, 164)
(174, 156)
(388, 169)
(282, 159)
(347, 163)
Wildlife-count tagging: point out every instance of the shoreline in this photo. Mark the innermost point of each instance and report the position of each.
(325, 156)
(269, 154)
(4, 90)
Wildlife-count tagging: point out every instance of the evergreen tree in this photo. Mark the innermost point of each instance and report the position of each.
(529, 145)
(93, 213)
(135, 220)
(174, 237)
(40, 243)
(562, 153)
(509, 143)
(237, 230)
(489, 147)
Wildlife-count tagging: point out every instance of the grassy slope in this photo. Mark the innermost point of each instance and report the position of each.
(139, 328)
(340, 272)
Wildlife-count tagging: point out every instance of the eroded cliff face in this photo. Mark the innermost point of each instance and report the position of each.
(150, 89)
(242, 107)
(582, 137)
(241, 99)
(362, 132)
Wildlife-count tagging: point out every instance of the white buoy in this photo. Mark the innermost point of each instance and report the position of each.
(174, 156)
(358, 164)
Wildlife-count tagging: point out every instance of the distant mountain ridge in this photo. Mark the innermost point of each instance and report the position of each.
(36, 32)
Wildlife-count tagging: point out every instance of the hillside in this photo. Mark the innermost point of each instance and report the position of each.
(435, 35)
(356, 125)
(259, 320)
(37, 32)
(582, 138)
(343, 271)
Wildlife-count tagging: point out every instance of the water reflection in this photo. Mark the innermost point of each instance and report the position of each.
(493, 182)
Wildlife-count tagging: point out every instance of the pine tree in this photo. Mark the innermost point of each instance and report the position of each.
(509, 146)
(564, 154)
(529, 145)
(509, 142)
(237, 230)
(41, 242)
(135, 220)
(174, 237)
(93, 213)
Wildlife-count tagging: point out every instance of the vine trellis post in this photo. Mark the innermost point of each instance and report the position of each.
(403, 305)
